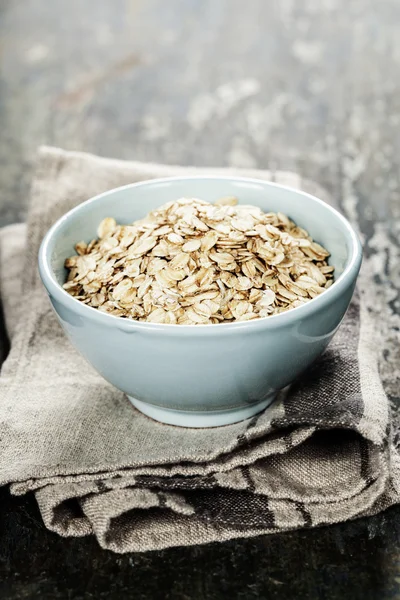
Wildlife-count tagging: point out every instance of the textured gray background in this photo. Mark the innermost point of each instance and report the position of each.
(308, 85)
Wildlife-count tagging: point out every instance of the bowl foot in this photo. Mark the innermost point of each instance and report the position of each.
(197, 419)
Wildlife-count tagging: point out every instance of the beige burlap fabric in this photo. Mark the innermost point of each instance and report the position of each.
(321, 454)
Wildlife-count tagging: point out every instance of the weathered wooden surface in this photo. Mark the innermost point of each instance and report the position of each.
(308, 85)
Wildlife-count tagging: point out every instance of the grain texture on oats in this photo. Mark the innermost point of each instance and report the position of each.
(190, 262)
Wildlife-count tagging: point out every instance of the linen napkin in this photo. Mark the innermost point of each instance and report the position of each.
(322, 453)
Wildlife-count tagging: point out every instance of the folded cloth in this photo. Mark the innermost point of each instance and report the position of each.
(322, 453)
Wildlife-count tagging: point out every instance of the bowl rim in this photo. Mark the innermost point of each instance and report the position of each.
(345, 279)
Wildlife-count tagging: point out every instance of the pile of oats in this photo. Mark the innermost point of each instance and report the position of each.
(191, 262)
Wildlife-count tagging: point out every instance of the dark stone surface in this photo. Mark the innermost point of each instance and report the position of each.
(308, 85)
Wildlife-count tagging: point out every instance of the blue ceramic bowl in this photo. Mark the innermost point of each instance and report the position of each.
(202, 375)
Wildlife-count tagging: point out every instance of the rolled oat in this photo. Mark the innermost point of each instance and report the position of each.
(190, 262)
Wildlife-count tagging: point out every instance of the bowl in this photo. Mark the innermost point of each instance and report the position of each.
(202, 375)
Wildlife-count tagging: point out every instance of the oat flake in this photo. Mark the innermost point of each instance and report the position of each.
(190, 262)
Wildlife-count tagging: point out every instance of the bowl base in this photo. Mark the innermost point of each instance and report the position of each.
(197, 419)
